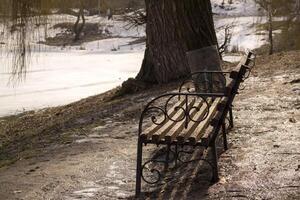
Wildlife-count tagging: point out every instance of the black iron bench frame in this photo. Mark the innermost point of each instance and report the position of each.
(238, 75)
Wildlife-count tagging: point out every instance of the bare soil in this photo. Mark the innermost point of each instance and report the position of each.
(87, 150)
(91, 32)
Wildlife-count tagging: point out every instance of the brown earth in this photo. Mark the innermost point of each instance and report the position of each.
(87, 150)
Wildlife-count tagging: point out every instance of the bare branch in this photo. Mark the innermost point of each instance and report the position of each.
(135, 19)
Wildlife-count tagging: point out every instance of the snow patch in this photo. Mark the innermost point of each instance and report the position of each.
(236, 8)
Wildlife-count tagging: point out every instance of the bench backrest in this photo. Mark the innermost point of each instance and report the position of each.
(206, 59)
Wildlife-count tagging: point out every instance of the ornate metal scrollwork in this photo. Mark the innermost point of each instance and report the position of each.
(152, 170)
(177, 108)
(198, 109)
(154, 118)
(161, 113)
(155, 168)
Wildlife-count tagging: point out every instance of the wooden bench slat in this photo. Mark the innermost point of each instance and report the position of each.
(205, 139)
(172, 134)
(153, 128)
(192, 125)
(160, 133)
(207, 135)
(199, 131)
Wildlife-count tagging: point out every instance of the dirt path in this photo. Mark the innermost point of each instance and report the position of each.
(263, 161)
(96, 166)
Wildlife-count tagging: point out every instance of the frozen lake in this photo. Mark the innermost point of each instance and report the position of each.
(59, 77)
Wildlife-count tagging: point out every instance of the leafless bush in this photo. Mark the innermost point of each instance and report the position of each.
(227, 35)
(235, 49)
(135, 19)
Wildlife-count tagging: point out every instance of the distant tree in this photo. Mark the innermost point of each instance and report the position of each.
(78, 28)
(109, 14)
(278, 8)
(269, 8)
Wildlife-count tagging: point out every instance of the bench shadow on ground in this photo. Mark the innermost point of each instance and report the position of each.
(186, 181)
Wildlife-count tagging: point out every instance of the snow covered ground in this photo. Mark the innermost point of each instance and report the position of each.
(62, 75)
(237, 8)
(244, 33)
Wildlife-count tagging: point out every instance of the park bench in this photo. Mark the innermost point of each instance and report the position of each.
(189, 118)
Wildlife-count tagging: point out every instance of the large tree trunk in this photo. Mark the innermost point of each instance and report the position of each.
(173, 28)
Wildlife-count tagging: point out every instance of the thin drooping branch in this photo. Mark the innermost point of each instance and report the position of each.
(22, 21)
(23, 16)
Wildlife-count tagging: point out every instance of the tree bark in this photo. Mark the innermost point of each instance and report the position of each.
(270, 16)
(173, 28)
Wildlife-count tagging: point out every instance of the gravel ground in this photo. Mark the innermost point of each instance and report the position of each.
(96, 160)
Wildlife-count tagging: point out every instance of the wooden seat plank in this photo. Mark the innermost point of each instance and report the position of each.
(173, 133)
(192, 125)
(205, 139)
(152, 129)
(196, 135)
(162, 131)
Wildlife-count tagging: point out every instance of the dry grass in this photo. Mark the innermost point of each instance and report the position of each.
(288, 39)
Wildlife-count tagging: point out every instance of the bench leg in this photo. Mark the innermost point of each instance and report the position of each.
(231, 117)
(139, 168)
(215, 163)
(176, 155)
(167, 157)
(224, 136)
